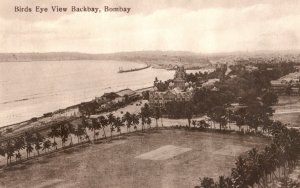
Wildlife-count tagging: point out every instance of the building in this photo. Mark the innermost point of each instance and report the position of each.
(178, 90)
(210, 83)
(117, 97)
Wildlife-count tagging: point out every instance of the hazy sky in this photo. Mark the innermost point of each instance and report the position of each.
(188, 25)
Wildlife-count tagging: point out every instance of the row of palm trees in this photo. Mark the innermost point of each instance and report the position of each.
(66, 131)
(262, 167)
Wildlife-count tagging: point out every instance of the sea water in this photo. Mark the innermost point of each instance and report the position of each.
(30, 89)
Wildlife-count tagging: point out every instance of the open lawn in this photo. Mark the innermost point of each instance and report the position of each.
(157, 158)
(288, 110)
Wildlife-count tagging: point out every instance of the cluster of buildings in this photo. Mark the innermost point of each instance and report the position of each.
(179, 90)
(108, 100)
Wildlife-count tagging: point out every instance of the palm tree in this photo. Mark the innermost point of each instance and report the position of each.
(188, 112)
(148, 122)
(194, 123)
(162, 111)
(157, 115)
(119, 124)
(53, 134)
(79, 132)
(9, 150)
(135, 121)
(145, 114)
(19, 145)
(85, 125)
(229, 115)
(71, 131)
(64, 134)
(111, 120)
(46, 145)
(29, 139)
(94, 126)
(38, 139)
(217, 114)
(2, 150)
(143, 119)
(103, 122)
(128, 119)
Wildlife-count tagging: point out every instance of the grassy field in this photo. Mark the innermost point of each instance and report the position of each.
(135, 161)
(288, 110)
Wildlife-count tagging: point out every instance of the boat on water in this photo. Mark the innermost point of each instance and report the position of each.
(131, 70)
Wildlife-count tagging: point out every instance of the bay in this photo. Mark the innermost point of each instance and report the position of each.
(30, 89)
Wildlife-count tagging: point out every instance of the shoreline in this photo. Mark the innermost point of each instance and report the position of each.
(74, 106)
(56, 115)
(64, 113)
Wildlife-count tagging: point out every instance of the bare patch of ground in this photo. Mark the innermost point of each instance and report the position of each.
(163, 153)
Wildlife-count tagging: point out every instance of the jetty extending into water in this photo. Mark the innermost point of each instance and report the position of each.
(131, 70)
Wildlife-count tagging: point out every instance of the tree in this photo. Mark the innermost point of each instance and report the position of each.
(103, 122)
(79, 132)
(269, 99)
(145, 115)
(229, 116)
(257, 114)
(188, 109)
(157, 114)
(128, 119)
(2, 150)
(194, 123)
(148, 122)
(53, 134)
(239, 117)
(29, 139)
(38, 139)
(111, 121)
(239, 173)
(9, 149)
(88, 108)
(207, 183)
(254, 169)
(19, 145)
(218, 114)
(94, 126)
(135, 120)
(119, 124)
(46, 145)
(71, 131)
(64, 134)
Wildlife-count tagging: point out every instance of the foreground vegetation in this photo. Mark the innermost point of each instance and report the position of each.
(65, 131)
(260, 167)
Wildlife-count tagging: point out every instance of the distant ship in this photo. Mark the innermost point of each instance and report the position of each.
(131, 70)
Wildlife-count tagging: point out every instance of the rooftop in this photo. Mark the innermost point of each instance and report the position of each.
(124, 92)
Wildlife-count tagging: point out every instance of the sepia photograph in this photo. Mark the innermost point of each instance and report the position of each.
(149, 94)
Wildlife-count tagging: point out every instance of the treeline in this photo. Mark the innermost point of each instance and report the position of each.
(82, 129)
(260, 167)
(93, 107)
